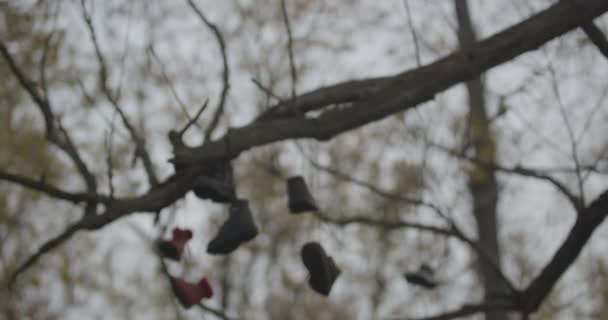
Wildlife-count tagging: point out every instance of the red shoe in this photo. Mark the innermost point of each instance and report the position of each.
(190, 294)
(174, 248)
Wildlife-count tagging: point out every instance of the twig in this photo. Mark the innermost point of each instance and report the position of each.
(46, 247)
(292, 65)
(43, 62)
(193, 120)
(571, 136)
(109, 145)
(169, 83)
(413, 32)
(384, 224)
(517, 170)
(219, 111)
(266, 90)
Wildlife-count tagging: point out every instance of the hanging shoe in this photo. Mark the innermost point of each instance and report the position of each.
(173, 249)
(239, 228)
(217, 185)
(424, 277)
(190, 294)
(299, 197)
(321, 267)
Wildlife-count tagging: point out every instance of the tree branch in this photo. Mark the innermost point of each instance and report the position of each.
(406, 90)
(586, 223)
(597, 37)
(219, 111)
(54, 132)
(52, 191)
(140, 144)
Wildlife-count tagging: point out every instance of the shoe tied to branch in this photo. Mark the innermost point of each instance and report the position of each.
(321, 267)
(238, 228)
(190, 294)
(424, 277)
(216, 185)
(299, 197)
(173, 249)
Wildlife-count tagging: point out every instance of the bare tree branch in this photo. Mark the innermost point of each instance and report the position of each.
(266, 90)
(517, 170)
(53, 191)
(47, 247)
(406, 90)
(193, 120)
(140, 143)
(413, 33)
(586, 223)
(398, 93)
(597, 37)
(169, 83)
(469, 309)
(384, 224)
(292, 66)
(219, 111)
(54, 132)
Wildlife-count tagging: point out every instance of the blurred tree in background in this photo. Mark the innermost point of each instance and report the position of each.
(465, 135)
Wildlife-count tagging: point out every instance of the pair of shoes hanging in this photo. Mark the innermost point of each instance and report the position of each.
(238, 229)
(187, 293)
(217, 184)
(321, 267)
(424, 277)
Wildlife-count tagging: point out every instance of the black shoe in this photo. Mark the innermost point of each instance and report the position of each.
(424, 277)
(168, 250)
(216, 185)
(239, 228)
(299, 197)
(321, 267)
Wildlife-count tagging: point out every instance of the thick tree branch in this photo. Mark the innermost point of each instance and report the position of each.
(586, 223)
(408, 89)
(597, 37)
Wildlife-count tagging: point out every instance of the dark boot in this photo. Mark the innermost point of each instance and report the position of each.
(321, 267)
(172, 249)
(239, 228)
(216, 185)
(190, 294)
(424, 277)
(299, 197)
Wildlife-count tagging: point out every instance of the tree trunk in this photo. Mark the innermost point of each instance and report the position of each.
(482, 181)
